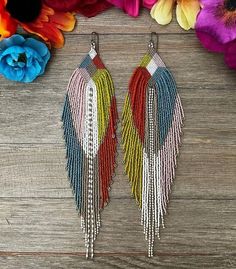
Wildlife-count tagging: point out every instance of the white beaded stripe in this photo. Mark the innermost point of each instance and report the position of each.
(151, 67)
(154, 205)
(158, 61)
(91, 120)
(169, 152)
(88, 144)
(155, 62)
(92, 53)
(148, 217)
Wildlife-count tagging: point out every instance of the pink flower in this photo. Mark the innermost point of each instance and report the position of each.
(132, 7)
(216, 28)
(230, 54)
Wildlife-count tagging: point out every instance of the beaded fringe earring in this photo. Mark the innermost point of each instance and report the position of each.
(151, 128)
(89, 121)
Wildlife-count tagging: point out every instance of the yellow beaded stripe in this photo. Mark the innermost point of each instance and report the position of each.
(146, 60)
(133, 154)
(105, 92)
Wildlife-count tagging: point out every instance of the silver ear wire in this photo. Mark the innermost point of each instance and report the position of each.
(95, 41)
(153, 43)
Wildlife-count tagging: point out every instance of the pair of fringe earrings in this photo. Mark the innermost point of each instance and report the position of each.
(151, 129)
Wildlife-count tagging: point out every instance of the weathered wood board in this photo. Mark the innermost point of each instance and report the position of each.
(39, 227)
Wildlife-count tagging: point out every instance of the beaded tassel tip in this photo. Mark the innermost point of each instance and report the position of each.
(89, 121)
(152, 121)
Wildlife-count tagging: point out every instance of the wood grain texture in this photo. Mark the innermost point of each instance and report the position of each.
(40, 168)
(39, 227)
(115, 21)
(42, 261)
(45, 224)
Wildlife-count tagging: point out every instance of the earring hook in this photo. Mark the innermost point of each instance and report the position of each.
(95, 41)
(152, 43)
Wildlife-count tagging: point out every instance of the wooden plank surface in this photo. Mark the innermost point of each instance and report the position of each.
(65, 261)
(39, 227)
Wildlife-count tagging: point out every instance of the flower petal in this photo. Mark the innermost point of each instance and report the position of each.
(30, 52)
(162, 11)
(8, 72)
(92, 8)
(186, 13)
(230, 55)
(49, 34)
(39, 47)
(49, 24)
(117, 3)
(20, 74)
(181, 18)
(14, 40)
(131, 7)
(149, 3)
(13, 50)
(211, 3)
(62, 5)
(8, 25)
(209, 42)
(208, 22)
(63, 21)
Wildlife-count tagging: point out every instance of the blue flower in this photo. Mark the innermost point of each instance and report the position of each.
(22, 59)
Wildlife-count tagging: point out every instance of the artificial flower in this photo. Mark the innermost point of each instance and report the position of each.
(88, 8)
(42, 20)
(49, 25)
(91, 8)
(216, 28)
(186, 12)
(218, 19)
(132, 7)
(230, 54)
(24, 10)
(22, 59)
(6, 28)
(62, 5)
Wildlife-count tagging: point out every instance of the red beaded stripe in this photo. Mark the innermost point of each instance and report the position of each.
(137, 93)
(107, 155)
(98, 62)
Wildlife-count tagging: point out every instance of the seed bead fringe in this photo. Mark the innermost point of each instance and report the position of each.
(151, 130)
(89, 121)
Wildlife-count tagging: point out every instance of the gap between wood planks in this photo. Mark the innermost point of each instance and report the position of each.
(108, 254)
(130, 34)
(119, 198)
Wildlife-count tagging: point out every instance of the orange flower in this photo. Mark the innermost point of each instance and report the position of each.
(48, 25)
(7, 25)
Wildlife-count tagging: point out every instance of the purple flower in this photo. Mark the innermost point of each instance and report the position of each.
(216, 28)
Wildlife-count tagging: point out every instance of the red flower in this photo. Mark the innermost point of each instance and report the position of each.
(88, 8)
(62, 5)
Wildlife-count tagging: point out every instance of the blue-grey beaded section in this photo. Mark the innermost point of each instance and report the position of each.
(166, 97)
(74, 154)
